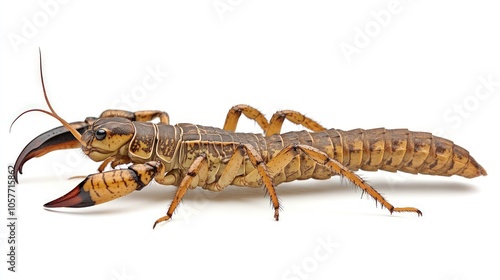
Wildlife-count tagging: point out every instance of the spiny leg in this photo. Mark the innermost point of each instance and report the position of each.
(230, 172)
(263, 172)
(295, 117)
(323, 159)
(226, 178)
(266, 176)
(257, 177)
(234, 115)
(183, 187)
(274, 125)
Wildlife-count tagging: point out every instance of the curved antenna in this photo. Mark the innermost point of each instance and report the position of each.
(52, 112)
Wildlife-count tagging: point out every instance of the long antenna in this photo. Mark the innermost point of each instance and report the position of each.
(52, 112)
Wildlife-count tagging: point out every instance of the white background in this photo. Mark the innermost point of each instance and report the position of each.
(417, 67)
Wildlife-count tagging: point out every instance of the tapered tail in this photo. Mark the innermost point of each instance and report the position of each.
(376, 149)
(407, 151)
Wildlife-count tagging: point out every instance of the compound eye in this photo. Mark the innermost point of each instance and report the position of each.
(100, 134)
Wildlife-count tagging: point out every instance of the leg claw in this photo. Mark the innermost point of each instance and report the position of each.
(162, 219)
(407, 209)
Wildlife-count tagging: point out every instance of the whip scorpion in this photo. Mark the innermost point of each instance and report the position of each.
(189, 156)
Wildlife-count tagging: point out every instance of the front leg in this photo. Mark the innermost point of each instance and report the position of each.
(106, 186)
(140, 116)
(198, 171)
(198, 164)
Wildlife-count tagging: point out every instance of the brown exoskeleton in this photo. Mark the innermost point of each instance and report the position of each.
(190, 156)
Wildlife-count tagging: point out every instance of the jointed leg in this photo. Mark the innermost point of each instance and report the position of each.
(277, 119)
(140, 116)
(227, 176)
(267, 179)
(274, 125)
(323, 159)
(261, 173)
(183, 187)
(235, 112)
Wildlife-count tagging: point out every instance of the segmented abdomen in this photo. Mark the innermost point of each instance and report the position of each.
(377, 149)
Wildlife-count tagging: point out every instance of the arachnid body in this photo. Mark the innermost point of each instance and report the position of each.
(190, 156)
